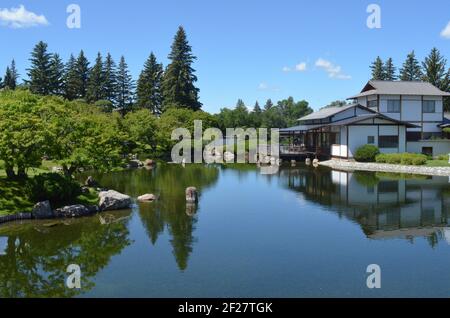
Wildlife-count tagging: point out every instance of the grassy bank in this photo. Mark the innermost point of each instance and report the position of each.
(14, 197)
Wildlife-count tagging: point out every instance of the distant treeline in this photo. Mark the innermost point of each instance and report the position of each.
(109, 85)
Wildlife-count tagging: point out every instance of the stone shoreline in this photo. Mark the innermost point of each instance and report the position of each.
(382, 167)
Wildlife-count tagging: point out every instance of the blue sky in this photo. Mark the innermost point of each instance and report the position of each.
(242, 46)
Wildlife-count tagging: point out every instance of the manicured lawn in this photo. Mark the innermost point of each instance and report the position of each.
(437, 163)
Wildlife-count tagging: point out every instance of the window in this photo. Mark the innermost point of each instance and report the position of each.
(429, 106)
(428, 151)
(372, 104)
(370, 140)
(388, 141)
(413, 135)
(393, 106)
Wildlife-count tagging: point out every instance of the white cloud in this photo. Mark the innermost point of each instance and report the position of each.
(446, 32)
(301, 67)
(334, 71)
(266, 87)
(18, 18)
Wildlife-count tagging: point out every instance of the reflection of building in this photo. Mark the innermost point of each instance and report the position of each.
(385, 205)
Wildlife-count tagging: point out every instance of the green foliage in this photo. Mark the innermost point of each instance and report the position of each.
(389, 70)
(410, 70)
(141, 127)
(366, 153)
(96, 82)
(284, 114)
(178, 85)
(149, 86)
(53, 187)
(125, 88)
(402, 158)
(40, 71)
(377, 68)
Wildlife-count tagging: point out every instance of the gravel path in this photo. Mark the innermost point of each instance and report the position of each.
(351, 166)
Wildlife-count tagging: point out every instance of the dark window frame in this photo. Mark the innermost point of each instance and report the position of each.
(370, 140)
(388, 141)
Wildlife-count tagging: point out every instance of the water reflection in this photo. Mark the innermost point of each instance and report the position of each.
(34, 255)
(170, 211)
(385, 205)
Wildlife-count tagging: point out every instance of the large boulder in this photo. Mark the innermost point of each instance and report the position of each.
(147, 198)
(42, 210)
(113, 200)
(149, 162)
(75, 211)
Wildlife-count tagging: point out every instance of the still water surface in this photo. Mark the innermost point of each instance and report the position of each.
(303, 232)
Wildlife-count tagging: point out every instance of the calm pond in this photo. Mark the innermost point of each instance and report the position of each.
(302, 232)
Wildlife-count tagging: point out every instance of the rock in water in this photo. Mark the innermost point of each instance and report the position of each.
(75, 211)
(42, 210)
(147, 198)
(90, 182)
(149, 162)
(191, 195)
(113, 200)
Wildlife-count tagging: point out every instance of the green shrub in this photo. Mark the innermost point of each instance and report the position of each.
(54, 187)
(402, 158)
(442, 157)
(366, 153)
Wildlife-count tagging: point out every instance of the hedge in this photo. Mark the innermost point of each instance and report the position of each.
(409, 159)
(366, 153)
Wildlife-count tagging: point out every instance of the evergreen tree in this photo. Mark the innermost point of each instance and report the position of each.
(434, 68)
(56, 75)
(110, 79)
(9, 81)
(1, 83)
(125, 88)
(410, 70)
(149, 86)
(178, 82)
(70, 79)
(96, 82)
(378, 72)
(389, 70)
(256, 108)
(11, 76)
(82, 75)
(268, 104)
(39, 72)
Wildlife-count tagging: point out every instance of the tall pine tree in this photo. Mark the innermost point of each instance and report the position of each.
(96, 82)
(378, 72)
(110, 80)
(56, 75)
(268, 105)
(410, 70)
(125, 87)
(11, 76)
(82, 75)
(70, 79)
(39, 73)
(149, 86)
(435, 71)
(178, 82)
(389, 70)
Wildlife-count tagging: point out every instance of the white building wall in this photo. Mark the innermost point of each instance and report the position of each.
(440, 147)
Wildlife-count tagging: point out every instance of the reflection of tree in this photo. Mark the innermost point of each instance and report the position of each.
(169, 182)
(36, 257)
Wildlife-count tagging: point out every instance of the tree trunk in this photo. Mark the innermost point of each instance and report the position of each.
(21, 173)
(10, 174)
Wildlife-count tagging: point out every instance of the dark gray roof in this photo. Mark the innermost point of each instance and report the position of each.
(326, 112)
(347, 121)
(400, 88)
